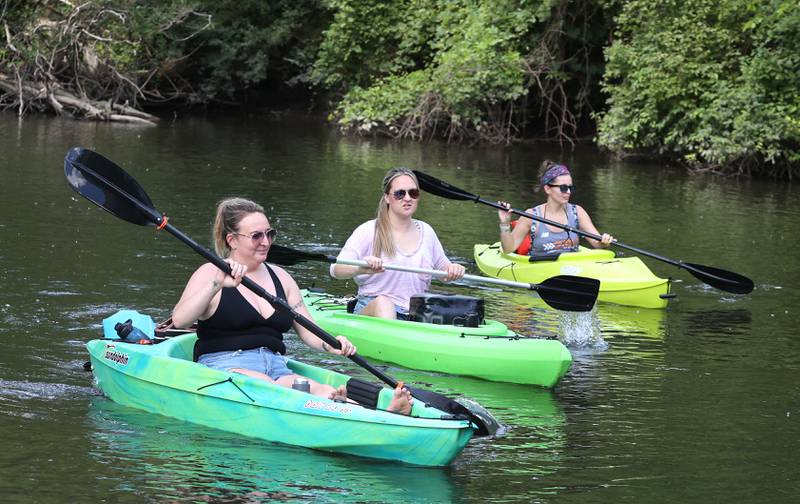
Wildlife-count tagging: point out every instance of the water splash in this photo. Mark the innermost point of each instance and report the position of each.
(581, 330)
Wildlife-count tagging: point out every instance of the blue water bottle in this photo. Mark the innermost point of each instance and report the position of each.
(127, 332)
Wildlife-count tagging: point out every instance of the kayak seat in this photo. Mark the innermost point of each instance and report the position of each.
(178, 347)
(524, 247)
(551, 257)
(363, 392)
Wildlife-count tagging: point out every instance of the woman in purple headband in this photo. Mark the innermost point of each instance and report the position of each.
(556, 181)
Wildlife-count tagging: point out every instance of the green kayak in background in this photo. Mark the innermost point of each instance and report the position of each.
(162, 378)
(490, 351)
(623, 280)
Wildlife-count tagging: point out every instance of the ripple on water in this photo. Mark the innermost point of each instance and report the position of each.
(35, 399)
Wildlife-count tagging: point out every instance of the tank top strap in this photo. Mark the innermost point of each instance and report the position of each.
(279, 292)
(573, 210)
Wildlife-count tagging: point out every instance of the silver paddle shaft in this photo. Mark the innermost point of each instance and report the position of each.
(439, 274)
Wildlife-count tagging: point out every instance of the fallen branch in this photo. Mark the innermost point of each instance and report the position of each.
(65, 65)
(44, 94)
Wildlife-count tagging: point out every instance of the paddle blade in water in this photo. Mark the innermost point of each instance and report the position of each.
(108, 186)
(490, 424)
(569, 293)
(720, 278)
(486, 423)
(441, 188)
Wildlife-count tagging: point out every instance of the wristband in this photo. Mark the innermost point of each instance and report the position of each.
(505, 227)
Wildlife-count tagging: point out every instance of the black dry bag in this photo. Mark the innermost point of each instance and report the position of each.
(453, 309)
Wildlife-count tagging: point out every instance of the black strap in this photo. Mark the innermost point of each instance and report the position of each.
(364, 393)
(279, 292)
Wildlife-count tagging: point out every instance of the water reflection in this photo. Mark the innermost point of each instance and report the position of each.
(179, 461)
(736, 321)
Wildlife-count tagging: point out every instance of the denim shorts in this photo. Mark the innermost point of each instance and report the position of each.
(402, 313)
(258, 359)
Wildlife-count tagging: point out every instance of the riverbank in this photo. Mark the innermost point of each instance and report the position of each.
(718, 97)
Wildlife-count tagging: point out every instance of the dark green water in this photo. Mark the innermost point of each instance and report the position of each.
(696, 403)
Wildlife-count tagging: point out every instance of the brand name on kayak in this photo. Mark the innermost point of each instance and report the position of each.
(114, 356)
(327, 406)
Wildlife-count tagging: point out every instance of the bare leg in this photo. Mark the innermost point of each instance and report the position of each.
(401, 401)
(381, 307)
(254, 374)
(317, 389)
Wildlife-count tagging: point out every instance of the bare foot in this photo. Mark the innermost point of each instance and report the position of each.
(401, 401)
(339, 395)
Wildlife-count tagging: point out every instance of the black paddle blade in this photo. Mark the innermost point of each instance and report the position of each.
(569, 293)
(486, 424)
(286, 256)
(108, 186)
(720, 278)
(441, 188)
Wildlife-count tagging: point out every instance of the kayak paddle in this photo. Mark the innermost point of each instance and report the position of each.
(562, 292)
(111, 188)
(715, 277)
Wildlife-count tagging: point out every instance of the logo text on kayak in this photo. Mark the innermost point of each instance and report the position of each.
(115, 356)
(327, 406)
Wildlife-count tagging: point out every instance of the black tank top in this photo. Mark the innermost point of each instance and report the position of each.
(237, 325)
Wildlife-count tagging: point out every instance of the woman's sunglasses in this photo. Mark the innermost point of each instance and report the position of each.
(401, 193)
(563, 187)
(257, 236)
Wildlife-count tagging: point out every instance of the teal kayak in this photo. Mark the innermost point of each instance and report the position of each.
(162, 378)
(490, 351)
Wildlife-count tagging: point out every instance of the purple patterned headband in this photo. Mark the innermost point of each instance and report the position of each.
(553, 172)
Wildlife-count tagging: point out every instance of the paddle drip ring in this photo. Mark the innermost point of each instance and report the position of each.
(164, 221)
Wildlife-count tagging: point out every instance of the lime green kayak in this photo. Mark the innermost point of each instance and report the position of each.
(490, 351)
(623, 280)
(162, 378)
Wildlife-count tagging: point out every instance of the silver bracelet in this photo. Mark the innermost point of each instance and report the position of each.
(505, 227)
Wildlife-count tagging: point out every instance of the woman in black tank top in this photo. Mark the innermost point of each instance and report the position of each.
(233, 320)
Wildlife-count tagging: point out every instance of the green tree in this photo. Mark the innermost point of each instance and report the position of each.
(461, 69)
(715, 84)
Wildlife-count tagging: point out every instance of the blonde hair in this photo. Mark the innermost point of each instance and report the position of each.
(383, 241)
(230, 213)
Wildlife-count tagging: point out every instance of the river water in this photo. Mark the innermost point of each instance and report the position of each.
(695, 403)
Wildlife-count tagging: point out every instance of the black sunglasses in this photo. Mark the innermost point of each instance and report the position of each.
(563, 187)
(401, 193)
(257, 236)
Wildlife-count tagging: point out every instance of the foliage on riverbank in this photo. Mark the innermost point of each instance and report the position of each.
(489, 70)
(101, 58)
(712, 84)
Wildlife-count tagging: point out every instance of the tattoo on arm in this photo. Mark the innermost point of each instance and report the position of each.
(297, 305)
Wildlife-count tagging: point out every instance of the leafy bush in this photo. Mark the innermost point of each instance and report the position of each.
(714, 84)
(462, 69)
